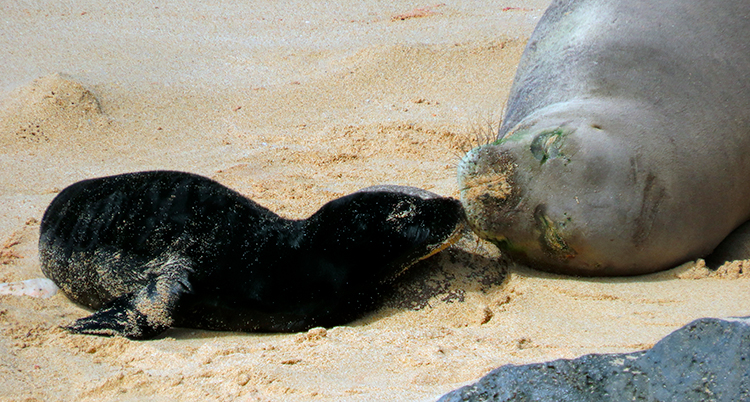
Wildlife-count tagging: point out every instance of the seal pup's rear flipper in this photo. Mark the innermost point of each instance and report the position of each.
(145, 313)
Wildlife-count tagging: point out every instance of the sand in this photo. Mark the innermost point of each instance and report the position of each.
(294, 103)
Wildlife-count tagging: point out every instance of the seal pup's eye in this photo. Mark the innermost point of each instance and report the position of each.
(402, 210)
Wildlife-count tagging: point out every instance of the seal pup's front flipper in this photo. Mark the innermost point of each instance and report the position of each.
(118, 318)
(145, 313)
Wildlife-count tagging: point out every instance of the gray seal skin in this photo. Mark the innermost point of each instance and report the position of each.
(150, 250)
(624, 145)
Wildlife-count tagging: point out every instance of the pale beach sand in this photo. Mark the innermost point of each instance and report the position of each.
(293, 103)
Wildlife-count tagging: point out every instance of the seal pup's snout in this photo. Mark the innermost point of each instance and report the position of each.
(435, 220)
(418, 227)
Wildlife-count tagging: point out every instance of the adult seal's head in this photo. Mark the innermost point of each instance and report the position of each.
(623, 148)
(151, 250)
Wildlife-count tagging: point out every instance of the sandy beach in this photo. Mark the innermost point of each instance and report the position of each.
(293, 104)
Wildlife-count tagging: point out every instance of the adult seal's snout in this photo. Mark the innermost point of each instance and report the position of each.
(486, 182)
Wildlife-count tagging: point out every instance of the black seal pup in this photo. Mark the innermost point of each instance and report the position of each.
(624, 147)
(154, 249)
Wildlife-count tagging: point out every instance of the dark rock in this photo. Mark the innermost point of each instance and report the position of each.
(706, 360)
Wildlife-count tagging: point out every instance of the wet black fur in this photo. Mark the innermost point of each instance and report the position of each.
(154, 249)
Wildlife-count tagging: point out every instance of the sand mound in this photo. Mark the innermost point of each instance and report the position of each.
(49, 110)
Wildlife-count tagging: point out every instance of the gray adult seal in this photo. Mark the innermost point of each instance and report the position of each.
(624, 146)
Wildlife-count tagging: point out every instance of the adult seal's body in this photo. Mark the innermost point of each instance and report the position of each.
(624, 147)
(154, 249)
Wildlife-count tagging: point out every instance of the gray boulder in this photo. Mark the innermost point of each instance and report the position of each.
(706, 360)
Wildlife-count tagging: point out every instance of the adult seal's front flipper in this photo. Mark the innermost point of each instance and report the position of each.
(735, 247)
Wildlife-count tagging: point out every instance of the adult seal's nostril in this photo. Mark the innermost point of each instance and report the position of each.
(154, 249)
(623, 147)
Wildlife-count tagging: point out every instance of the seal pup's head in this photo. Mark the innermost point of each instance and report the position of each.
(383, 230)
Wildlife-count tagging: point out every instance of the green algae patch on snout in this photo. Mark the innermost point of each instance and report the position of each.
(548, 144)
(551, 237)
